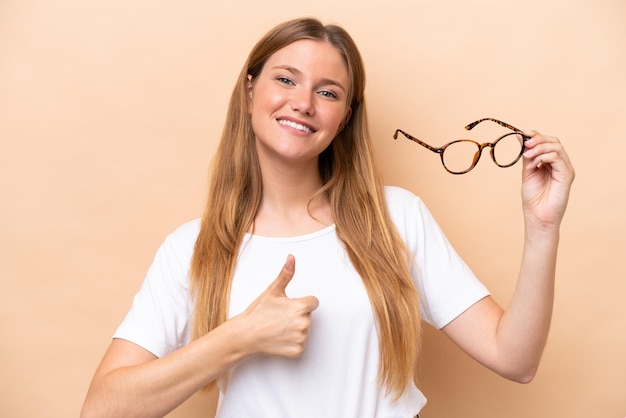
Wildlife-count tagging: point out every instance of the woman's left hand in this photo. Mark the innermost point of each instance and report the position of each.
(547, 177)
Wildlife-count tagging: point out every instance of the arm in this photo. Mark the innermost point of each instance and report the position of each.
(511, 342)
(132, 382)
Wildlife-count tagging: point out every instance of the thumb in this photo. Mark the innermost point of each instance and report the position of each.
(279, 285)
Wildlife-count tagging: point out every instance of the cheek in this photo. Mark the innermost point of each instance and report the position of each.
(262, 110)
(334, 117)
(265, 102)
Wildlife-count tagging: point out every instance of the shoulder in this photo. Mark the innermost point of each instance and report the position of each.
(187, 231)
(168, 273)
(180, 243)
(185, 234)
(410, 215)
(398, 194)
(402, 203)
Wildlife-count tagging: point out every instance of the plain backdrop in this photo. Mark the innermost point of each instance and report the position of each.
(110, 112)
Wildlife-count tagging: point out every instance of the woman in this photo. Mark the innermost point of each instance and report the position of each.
(338, 335)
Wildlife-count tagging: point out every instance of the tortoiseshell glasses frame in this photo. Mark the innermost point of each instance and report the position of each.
(516, 134)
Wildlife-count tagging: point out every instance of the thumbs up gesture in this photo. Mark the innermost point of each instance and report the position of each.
(279, 325)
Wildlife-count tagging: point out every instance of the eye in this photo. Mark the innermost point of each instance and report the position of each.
(284, 80)
(328, 94)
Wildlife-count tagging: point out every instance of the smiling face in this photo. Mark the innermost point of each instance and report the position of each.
(298, 102)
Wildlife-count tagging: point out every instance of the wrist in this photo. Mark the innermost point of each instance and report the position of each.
(541, 234)
(229, 344)
(540, 227)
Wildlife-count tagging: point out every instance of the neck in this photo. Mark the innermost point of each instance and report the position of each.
(288, 207)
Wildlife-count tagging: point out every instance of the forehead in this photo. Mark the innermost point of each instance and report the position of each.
(311, 55)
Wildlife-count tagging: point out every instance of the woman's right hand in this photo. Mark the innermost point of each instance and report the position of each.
(279, 325)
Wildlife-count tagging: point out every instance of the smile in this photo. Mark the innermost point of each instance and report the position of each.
(295, 125)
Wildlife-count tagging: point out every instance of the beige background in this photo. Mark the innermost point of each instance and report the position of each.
(110, 112)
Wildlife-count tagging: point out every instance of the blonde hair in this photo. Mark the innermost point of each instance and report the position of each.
(356, 194)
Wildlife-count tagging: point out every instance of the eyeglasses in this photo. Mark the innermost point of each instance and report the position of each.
(461, 156)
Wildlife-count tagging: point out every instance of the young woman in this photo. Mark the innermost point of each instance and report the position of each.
(302, 288)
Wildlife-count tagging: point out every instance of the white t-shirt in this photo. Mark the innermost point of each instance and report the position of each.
(336, 376)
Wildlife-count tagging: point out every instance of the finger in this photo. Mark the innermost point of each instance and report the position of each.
(546, 152)
(531, 133)
(537, 150)
(550, 157)
(278, 286)
(535, 139)
(309, 304)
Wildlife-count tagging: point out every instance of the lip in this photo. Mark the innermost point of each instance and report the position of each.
(297, 121)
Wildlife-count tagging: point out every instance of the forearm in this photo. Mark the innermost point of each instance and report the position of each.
(154, 388)
(523, 329)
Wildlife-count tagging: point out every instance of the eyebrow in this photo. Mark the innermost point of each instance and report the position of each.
(324, 81)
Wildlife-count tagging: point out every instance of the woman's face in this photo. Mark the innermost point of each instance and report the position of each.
(298, 102)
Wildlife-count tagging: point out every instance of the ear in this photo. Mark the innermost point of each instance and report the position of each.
(249, 86)
(346, 119)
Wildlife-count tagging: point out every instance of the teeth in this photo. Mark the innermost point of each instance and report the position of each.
(295, 125)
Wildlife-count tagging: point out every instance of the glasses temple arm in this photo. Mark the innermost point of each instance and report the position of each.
(504, 124)
(412, 138)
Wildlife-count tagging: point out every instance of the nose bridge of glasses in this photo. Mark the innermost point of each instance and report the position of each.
(481, 147)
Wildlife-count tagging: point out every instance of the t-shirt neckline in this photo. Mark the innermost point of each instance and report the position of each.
(295, 238)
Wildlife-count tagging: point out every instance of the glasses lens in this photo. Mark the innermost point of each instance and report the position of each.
(508, 149)
(458, 156)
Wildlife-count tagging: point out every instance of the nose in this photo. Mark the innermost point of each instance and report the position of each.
(302, 101)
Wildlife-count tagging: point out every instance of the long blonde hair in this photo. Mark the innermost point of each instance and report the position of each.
(356, 194)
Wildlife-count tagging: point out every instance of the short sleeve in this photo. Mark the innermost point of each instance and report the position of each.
(159, 317)
(446, 285)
